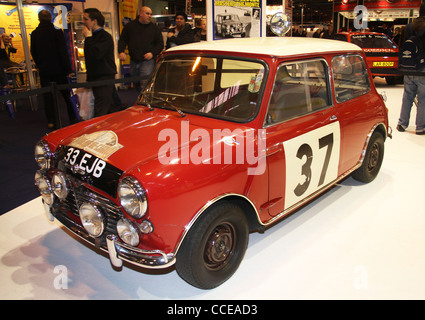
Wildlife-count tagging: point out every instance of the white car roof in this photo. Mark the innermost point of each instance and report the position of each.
(274, 46)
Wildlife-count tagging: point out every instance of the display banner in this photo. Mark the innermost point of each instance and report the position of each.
(237, 18)
(9, 22)
(127, 11)
(349, 5)
(344, 5)
(392, 4)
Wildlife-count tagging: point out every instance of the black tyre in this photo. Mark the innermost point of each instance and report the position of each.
(214, 247)
(372, 161)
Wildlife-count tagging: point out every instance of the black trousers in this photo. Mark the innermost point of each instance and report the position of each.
(49, 107)
(103, 97)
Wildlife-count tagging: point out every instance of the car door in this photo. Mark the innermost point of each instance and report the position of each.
(356, 105)
(303, 134)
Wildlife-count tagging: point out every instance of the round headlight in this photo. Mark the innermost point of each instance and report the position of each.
(128, 232)
(132, 197)
(59, 185)
(44, 187)
(92, 219)
(42, 154)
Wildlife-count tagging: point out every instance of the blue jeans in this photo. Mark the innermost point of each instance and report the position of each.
(141, 69)
(413, 86)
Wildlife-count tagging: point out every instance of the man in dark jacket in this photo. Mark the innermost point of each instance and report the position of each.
(144, 41)
(182, 34)
(50, 54)
(414, 85)
(100, 60)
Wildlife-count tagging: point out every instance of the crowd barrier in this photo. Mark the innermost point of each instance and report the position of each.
(55, 88)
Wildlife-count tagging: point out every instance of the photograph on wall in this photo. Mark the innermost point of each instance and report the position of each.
(237, 19)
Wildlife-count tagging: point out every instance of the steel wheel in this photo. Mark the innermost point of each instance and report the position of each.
(214, 246)
(220, 247)
(372, 161)
(374, 157)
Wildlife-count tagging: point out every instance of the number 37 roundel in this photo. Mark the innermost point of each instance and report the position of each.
(312, 161)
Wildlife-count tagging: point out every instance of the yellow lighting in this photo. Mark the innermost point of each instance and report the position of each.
(195, 65)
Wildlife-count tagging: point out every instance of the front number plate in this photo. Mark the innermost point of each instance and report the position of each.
(84, 162)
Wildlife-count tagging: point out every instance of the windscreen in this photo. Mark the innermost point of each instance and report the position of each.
(373, 41)
(211, 86)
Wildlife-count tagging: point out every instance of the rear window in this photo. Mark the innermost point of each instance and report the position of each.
(350, 77)
(373, 41)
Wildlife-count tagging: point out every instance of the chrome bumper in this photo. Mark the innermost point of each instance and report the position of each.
(117, 250)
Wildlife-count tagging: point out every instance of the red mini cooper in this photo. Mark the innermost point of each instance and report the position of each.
(227, 138)
(381, 53)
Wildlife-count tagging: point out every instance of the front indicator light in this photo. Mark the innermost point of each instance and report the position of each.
(59, 185)
(146, 227)
(92, 219)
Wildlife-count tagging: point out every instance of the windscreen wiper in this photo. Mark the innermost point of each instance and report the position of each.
(171, 105)
(145, 101)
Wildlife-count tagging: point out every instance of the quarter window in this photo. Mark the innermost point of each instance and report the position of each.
(300, 88)
(350, 77)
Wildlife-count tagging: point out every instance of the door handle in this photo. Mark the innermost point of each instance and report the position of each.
(334, 117)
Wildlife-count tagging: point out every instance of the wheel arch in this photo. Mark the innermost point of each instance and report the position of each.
(248, 208)
(381, 129)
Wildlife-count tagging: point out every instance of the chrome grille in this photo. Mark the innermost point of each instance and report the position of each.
(78, 195)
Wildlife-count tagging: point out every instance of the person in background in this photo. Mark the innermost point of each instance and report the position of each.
(200, 30)
(396, 37)
(182, 34)
(144, 41)
(50, 54)
(100, 60)
(414, 85)
(6, 48)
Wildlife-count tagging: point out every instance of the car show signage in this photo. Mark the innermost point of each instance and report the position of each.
(236, 18)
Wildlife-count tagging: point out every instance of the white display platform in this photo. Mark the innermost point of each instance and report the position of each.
(355, 242)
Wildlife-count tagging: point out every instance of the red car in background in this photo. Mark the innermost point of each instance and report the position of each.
(381, 53)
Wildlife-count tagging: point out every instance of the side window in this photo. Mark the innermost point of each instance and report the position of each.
(350, 77)
(300, 88)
